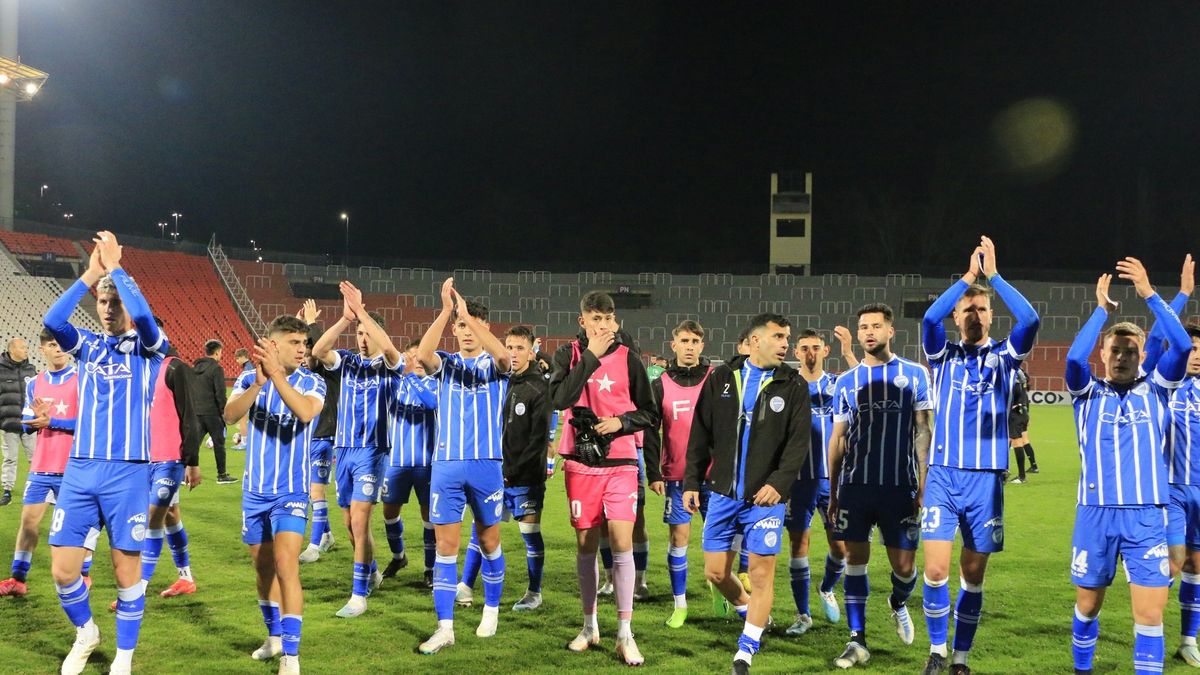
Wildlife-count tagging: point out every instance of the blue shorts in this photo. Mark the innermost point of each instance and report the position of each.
(1183, 517)
(673, 511)
(961, 500)
(641, 504)
(862, 507)
(359, 471)
(95, 493)
(41, 488)
(264, 516)
(1137, 533)
(761, 527)
(400, 481)
(320, 460)
(524, 500)
(165, 479)
(455, 484)
(809, 496)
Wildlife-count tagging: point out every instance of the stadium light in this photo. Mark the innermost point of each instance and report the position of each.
(176, 216)
(68, 216)
(346, 259)
(42, 191)
(162, 230)
(24, 82)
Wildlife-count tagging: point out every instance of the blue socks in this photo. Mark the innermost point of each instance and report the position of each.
(833, 572)
(472, 561)
(320, 521)
(1189, 603)
(1085, 631)
(535, 554)
(857, 590)
(177, 539)
(801, 578)
(395, 536)
(270, 614)
(748, 643)
(87, 564)
(606, 560)
(151, 549)
(966, 615)
(493, 577)
(130, 604)
(290, 625)
(445, 578)
(430, 544)
(641, 555)
(901, 589)
(362, 575)
(937, 613)
(1148, 649)
(677, 568)
(74, 600)
(23, 559)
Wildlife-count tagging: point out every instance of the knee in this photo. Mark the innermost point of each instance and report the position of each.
(63, 574)
(939, 571)
(715, 576)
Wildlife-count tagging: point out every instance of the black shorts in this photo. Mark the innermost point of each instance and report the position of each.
(1017, 425)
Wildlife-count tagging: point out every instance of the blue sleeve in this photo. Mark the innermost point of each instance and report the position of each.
(135, 303)
(1155, 339)
(1172, 368)
(922, 398)
(27, 412)
(933, 334)
(62, 424)
(426, 388)
(1079, 373)
(1025, 332)
(58, 318)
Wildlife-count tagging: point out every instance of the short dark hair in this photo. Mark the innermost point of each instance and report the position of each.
(287, 324)
(521, 332)
(1193, 330)
(212, 347)
(743, 336)
(688, 326)
(475, 309)
(241, 353)
(877, 308)
(977, 289)
(761, 320)
(809, 333)
(411, 344)
(597, 301)
(46, 336)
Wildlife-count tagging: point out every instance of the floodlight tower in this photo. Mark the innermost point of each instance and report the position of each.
(18, 82)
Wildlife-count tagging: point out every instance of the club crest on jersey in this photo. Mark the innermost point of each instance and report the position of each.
(997, 525)
(901, 381)
(830, 388)
(163, 492)
(771, 539)
(519, 409)
(991, 360)
(776, 404)
(1142, 389)
(109, 371)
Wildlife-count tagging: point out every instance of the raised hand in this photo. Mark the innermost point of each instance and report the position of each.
(1132, 270)
(352, 296)
(310, 311)
(267, 357)
(1102, 298)
(599, 344)
(843, 336)
(1187, 276)
(989, 257)
(973, 270)
(448, 294)
(110, 250)
(95, 266)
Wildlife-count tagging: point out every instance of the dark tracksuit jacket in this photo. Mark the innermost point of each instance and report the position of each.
(526, 428)
(684, 377)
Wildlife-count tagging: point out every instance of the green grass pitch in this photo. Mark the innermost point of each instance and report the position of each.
(1025, 626)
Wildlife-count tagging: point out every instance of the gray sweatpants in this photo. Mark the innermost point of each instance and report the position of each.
(12, 441)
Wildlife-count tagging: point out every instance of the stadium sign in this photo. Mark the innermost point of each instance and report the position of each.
(1049, 398)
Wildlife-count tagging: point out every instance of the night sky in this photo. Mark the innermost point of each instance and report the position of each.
(493, 130)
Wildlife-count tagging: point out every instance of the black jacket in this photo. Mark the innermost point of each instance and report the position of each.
(684, 377)
(779, 438)
(209, 394)
(180, 379)
(13, 376)
(526, 428)
(327, 422)
(567, 383)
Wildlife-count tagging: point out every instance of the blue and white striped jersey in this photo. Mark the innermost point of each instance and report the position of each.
(471, 395)
(880, 404)
(412, 420)
(821, 395)
(276, 440)
(1183, 439)
(973, 388)
(363, 399)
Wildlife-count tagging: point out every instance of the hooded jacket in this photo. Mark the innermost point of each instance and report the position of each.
(684, 377)
(780, 437)
(208, 396)
(526, 428)
(13, 376)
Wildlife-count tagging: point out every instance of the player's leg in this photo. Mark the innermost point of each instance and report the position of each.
(982, 528)
(177, 541)
(606, 561)
(762, 527)
(320, 457)
(1143, 546)
(587, 543)
(240, 441)
(1148, 646)
(472, 564)
(8, 467)
(123, 510)
(859, 509)
(525, 504)
(1033, 465)
(620, 536)
(1019, 454)
(679, 531)
(288, 535)
(485, 493)
(1189, 607)
(429, 539)
(720, 529)
(269, 596)
(394, 493)
(904, 581)
(153, 543)
(941, 516)
(641, 539)
(27, 537)
(364, 553)
(131, 603)
(74, 524)
(798, 518)
(1085, 626)
(358, 475)
(447, 498)
(1095, 544)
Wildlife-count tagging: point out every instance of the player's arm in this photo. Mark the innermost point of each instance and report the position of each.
(1172, 368)
(652, 448)
(933, 333)
(847, 347)
(427, 350)
(323, 350)
(699, 448)
(304, 405)
(426, 390)
(1079, 372)
(1155, 340)
(490, 343)
(58, 318)
(795, 450)
(1024, 333)
(922, 420)
(245, 392)
(149, 334)
(353, 299)
(645, 415)
(567, 383)
(836, 454)
(35, 414)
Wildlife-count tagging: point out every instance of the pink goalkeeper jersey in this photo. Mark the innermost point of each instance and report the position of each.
(678, 408)
(607, 394)
(61, 391)
(166, 443)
